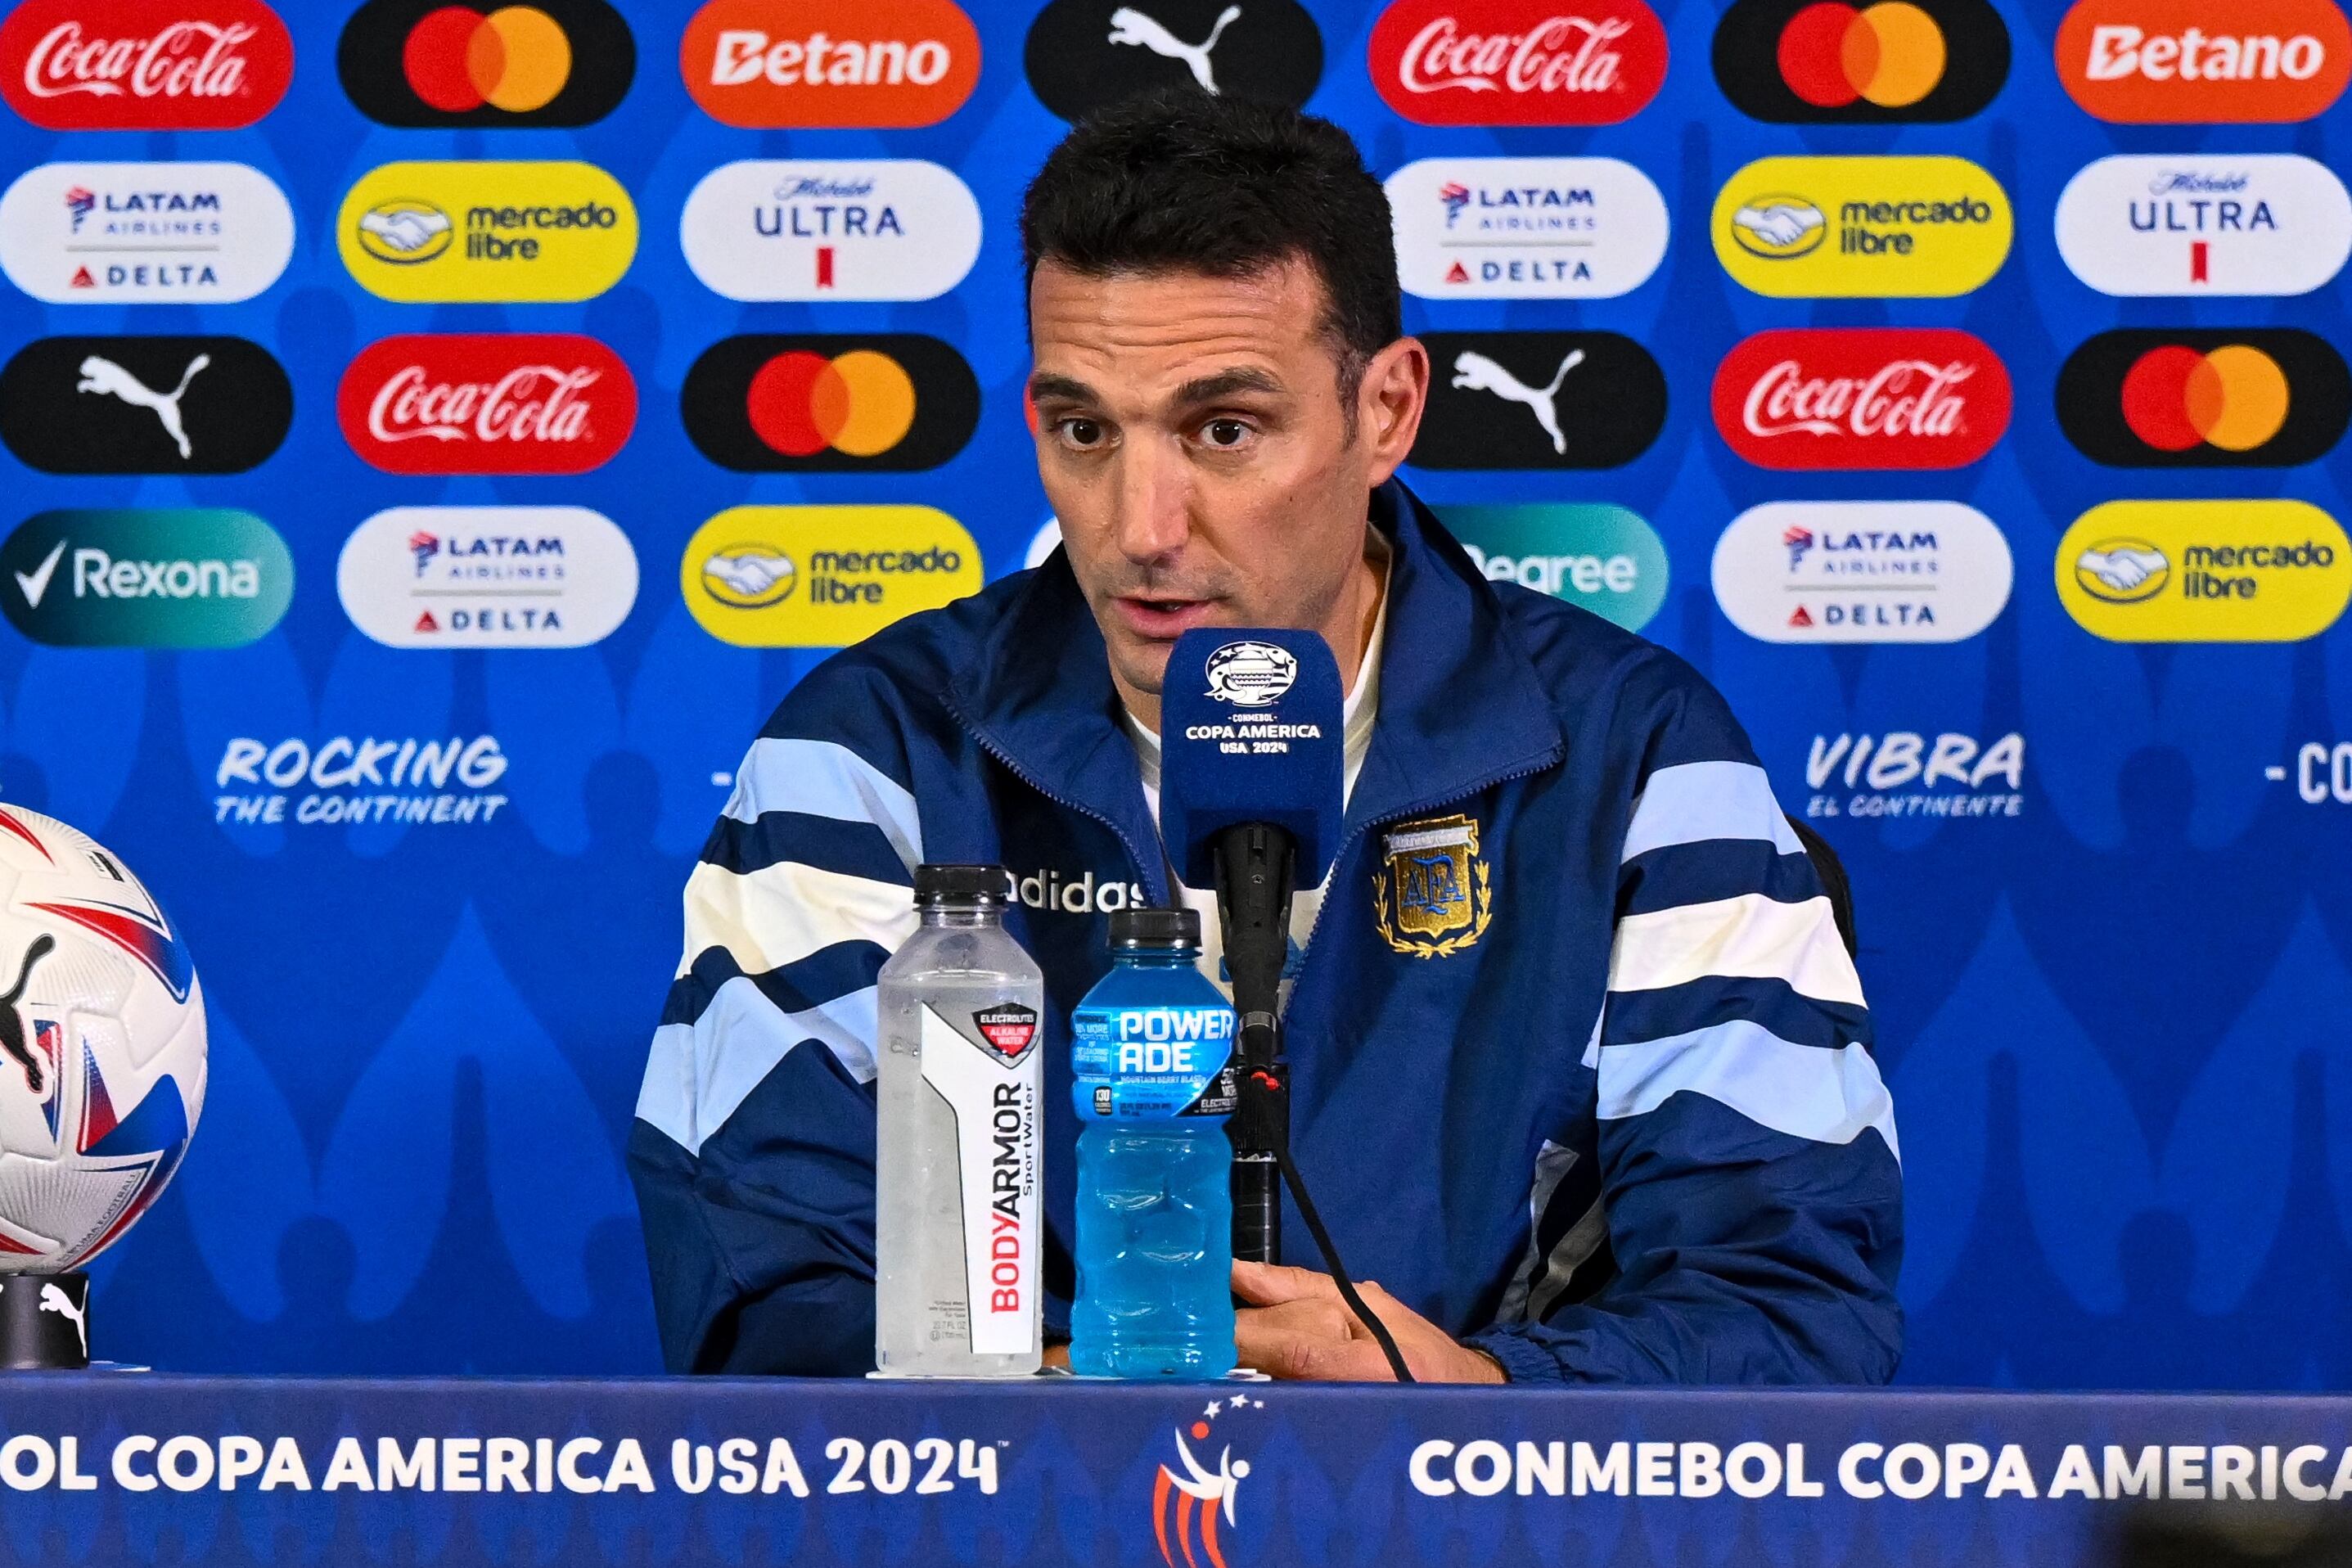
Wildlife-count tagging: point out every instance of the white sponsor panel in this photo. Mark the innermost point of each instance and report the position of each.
(1525, 228)
(2186, 223)
(874, 228)
(116, 234)
(487, 577)
(1833, 571)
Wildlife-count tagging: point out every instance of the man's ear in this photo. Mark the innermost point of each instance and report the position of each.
(1390, 403)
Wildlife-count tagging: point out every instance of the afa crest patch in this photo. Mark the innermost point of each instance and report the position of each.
(1432, 893)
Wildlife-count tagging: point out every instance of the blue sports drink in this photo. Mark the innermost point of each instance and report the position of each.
(1151, 1047)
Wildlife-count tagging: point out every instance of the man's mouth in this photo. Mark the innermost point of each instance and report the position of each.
(1152, 616)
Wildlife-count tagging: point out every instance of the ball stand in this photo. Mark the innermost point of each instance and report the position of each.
(43, 1322)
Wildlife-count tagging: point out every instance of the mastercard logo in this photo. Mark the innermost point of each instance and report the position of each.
(431, 63)
(1891, 61)
(2205, 397)
(894, 402)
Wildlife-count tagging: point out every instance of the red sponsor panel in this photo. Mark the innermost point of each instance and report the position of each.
(487, 402)
(1517, 62)
(1865, 397)
(876, 64)
(144, 64)
(2156, 62)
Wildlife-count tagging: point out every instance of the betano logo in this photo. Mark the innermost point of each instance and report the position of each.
(1888, 61)
(866, 64)
(2158, 62)
(184, 577)
(487, 232)
(2205, 571)
(2205, 397)
(428, 63)
(823, 576)
(1885, 228)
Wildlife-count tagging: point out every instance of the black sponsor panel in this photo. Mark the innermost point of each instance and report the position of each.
(750, 403)
(1798, 75)
(143, 405)
(1538, 400)
(1084, 53)
(2274, 396)
(419, 62)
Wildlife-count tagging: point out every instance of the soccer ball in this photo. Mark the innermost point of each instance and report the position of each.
(102, 1047)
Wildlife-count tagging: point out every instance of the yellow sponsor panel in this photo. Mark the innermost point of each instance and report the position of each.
(823, 576)
(1807, 229)
(2205, 571)
(487, 232)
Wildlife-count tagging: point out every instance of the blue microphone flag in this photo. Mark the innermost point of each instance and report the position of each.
(1250, 724)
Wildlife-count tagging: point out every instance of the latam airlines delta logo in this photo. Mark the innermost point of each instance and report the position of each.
(487, 577)
(1517, 62)
(487, 232)
(2192, 223)
(170, 233)
(1905, 228)
(144, 64)
(830, 63)
(2205, 571)
(1525, 228)
(1845, 572)
(2150, 62)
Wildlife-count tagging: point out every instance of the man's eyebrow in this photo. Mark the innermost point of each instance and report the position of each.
(1226, 383)
(1045, 384)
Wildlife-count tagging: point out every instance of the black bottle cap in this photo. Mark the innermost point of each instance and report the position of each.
(1155, 927)
(961, 884)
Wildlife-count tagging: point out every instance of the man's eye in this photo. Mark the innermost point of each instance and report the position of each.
(1082, 432)
(1225, 432)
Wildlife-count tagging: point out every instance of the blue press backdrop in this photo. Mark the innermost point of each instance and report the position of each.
(2118, 1026)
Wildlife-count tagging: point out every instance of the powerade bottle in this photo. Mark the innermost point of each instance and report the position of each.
(1151, 1049)
(959, 1098)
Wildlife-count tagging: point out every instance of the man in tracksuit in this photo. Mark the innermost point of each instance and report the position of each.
(1580, 1066)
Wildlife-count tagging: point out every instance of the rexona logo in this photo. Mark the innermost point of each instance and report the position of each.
(1082, 55)
(1801, 228)
(487, 577)
(1813, 572)
(823, 576)
(2188, 223)
(874, 228)
(1879, 62)
(163, 578)
(2204, 398)
(1862, 397)
(2174, 61)
(147, 233)
(1518, 62)
(2205, 571)
(1603, 557)
(1525, 228)
(487, 232)
(431, 63)
(144, 64)
(487, 402)
(886, 402)
(823, 63)
(1538, 400)
(143, 405)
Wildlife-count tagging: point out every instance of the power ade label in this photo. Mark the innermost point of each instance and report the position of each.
(994, 1093)
(1151, 1064)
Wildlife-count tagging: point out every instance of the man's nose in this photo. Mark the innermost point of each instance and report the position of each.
(1152, 520)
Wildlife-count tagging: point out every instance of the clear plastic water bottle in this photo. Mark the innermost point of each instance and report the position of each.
(1151, 1047)
(957, 1177)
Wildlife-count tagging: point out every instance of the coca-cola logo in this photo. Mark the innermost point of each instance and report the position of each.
(1862, 398)
(144, 64)
(1517, 62)
(488, 403)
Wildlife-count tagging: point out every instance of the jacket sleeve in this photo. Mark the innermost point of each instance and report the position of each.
(752, 1150)
(1748, 1168)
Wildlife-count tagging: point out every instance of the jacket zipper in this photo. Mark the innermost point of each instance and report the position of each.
(1134, 857)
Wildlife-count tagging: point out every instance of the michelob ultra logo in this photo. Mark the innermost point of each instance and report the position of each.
(184, 577)
(2205, 223)
(2205, 571)
(1873, 63)
(1890, 228)
(487, 232)
(2181, 61)
(823, 576)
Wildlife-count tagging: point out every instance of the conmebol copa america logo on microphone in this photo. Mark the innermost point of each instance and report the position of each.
(1251, 674)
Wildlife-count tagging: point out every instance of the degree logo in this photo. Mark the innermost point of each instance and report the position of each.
(2178, 61)
(487, 232)
(2204, 571)
(2205, 397)
(823, 576)
(2205, 223)
(1603, 557)
(1839, 227)
(144, 64)
(431, 63)
(845, 63)
(1880, 62)
(894, 402)
(1517, 62)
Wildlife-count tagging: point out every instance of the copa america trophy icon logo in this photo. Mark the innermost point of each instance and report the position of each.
(1251, 674)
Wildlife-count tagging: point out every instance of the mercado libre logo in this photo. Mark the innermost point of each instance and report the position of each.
(487, 232)
(1867, 226)
(428, 63)
(487, 402)
(830, 63)
(2205, 571)
(178, 578)
(1082, 55)
(888, 402)
(1876, 63)
(144, 64)
(2169, 62)
(2200, 397)
(1517, 62)
(823, 576)
(1192, 1500)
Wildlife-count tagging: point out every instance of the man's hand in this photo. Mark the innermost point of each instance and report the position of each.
(1298, 1327)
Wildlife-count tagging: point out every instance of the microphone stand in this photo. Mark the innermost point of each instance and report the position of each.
(1256, 869)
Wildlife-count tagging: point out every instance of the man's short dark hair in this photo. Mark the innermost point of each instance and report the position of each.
(1178, 180)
